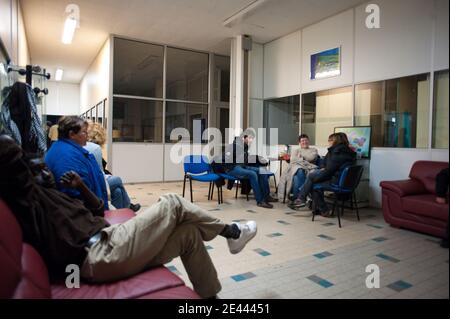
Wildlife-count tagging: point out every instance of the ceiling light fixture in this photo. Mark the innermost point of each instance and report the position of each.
(245, 10)
(72, 22)
(58, 74)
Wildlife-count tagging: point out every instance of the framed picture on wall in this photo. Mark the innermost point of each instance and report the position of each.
(359, 138)
(326, 64)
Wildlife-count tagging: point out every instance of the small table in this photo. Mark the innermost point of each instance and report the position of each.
(280, 159)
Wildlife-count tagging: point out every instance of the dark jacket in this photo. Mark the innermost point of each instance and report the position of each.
(236, 153)
(21, 121)
(337, 158)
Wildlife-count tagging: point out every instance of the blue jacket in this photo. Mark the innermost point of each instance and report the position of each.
(65, 155)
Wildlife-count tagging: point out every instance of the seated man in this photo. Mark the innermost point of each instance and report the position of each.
(302, 161)
(441, 197)
(66, 231)
(237, 164)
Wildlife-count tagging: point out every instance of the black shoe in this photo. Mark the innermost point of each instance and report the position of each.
(326, 213)
(271, 199)
(264, 205)
(135, 207)
(299, 203)
(293, 206)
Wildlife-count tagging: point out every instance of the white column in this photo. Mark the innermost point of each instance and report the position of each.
(236, 85)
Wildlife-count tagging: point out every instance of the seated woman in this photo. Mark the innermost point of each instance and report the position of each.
(67, 154)
(96, 141)
(302, 161)
(338, 157)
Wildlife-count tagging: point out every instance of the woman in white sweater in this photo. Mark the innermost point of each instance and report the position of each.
(303, 160)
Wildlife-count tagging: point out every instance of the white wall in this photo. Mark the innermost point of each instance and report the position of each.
(333, 32)
(23, 54)
(94, 86)
(256, 71)
(400, 47)
(441, 38)
(63, 98)
(138, 162)
(12, 32)
(282, 67)
(5, 24)
(256, 79)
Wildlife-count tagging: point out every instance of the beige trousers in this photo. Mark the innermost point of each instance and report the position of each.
(172, 227)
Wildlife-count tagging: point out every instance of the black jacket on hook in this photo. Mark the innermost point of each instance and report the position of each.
(19, 107)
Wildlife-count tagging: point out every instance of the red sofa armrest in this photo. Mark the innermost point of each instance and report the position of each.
(404, 187)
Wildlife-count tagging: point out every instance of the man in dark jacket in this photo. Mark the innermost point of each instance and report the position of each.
(239, 163)
(339, 156)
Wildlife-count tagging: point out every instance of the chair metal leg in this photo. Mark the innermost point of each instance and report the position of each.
(218, 194)
(356, 206)
(212, 191)
(237, 188)
(184, 183)
(284, 197)
(275, 181)
(340, 212)
(209, 191)
(220, 190)
(190, 184)
(334, 206)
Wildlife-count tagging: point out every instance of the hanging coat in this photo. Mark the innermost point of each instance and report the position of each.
(20, 119)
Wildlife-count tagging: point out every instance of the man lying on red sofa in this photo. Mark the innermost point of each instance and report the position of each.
(65, 231)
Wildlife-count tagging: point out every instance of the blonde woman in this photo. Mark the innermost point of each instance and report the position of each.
(95, 145)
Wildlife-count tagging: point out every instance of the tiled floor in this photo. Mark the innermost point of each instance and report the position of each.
(293, 257)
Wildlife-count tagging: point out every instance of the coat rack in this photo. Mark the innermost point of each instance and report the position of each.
(28, 72)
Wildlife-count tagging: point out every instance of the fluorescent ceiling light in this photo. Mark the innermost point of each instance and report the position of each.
(58, 74)
(69, 30)
(251, 6)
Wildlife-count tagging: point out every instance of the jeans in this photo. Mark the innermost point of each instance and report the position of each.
(119, 196)
(298, 181)
(308, 185)
(258, 180)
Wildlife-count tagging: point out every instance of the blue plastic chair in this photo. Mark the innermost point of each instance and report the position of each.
(197, 167)
(344, 190)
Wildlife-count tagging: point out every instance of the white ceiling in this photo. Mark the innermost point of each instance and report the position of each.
(196, 24)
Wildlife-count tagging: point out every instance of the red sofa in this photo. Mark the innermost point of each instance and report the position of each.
(411, 203)
(23, 273)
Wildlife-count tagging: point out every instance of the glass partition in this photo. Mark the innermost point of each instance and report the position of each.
(138, 68)
(136, 120)
(187, 75)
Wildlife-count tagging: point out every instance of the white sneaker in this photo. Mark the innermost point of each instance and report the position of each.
(248, 231)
